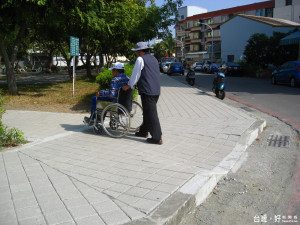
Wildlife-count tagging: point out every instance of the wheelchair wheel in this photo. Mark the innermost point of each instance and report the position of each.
(136, 116)
(115, 120)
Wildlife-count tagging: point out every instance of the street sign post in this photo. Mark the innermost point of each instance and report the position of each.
(74, 51)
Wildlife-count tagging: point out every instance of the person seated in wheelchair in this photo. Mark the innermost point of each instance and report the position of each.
(119, 80)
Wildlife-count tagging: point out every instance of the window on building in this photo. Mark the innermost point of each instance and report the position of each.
(182, 17)
(288, 2)
(224, 18)
(195, 48)
(260, 12)
(195, 36)
(269, 12)
(209, 21)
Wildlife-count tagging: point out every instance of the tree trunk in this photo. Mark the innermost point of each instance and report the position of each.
(88, 66)
(9, 62)
(11, 81)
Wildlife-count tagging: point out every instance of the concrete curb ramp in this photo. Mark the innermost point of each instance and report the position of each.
(196, 190)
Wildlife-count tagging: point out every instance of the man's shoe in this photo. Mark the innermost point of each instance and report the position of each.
(139, 134)
(151, 141)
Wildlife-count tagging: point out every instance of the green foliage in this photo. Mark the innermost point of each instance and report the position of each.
(103, 27)
(158, 50)
(278, 54)
(9, 136)
(2, 111)
(103, 79)
(128, 69)
(262, 51)
(256, 50)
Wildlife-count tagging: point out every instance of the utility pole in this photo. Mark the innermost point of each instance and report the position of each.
(212, 40)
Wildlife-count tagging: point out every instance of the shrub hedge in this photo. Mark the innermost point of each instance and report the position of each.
(9, 136)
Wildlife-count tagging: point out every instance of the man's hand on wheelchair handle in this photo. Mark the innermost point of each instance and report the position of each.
(126, 87)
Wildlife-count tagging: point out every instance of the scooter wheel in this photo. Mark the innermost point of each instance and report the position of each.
(192, 82)
(221, 95)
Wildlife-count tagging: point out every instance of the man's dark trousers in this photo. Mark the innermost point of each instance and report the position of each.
(150, 117)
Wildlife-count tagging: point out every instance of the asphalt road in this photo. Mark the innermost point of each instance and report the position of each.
(279, 100)
(265, 189)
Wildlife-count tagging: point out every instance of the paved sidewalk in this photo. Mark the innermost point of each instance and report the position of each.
(68, 175)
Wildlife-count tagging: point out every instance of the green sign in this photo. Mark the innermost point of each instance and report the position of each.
(74, 46)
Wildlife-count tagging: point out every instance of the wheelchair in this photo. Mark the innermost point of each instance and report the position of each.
(117, 119)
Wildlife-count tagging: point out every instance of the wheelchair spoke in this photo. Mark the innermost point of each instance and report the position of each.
(115, 120)
(136, 115)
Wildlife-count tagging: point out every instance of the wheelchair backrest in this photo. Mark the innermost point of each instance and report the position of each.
(125, 98)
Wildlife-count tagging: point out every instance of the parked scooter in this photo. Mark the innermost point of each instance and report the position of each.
(190, 77)
(219, 85)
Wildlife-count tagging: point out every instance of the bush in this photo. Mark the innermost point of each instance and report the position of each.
(103, 79)
(9, 136)
(2, 111)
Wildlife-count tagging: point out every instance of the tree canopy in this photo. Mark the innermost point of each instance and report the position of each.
(103, 27)
(262, 50)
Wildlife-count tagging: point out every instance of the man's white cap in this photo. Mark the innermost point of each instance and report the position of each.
(117, 66)
(140, 46)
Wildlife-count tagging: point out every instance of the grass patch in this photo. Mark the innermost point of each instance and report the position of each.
(59, 95)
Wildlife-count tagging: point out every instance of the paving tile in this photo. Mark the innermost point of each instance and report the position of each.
(106, 206)
(115, 217)
(25, 202)
(132, 213)
(145, 205)
(75, 202)
(8, 217)
(28, 212)
(58, 217)
(37, 220)
(137, 191)
(52, 206)
(90, 220)
(82, 211)
(156, 195)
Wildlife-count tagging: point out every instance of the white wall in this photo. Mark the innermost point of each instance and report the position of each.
(237, 31)
(194, 10)
(187, 11)
(289, 12)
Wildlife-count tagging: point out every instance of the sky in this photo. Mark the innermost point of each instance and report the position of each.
(213, 5)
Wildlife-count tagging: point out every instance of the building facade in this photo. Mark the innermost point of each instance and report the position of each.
(233, 45)
(200, 35)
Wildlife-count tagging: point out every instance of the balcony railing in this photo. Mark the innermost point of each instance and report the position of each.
(196, 28)
(180, 33)
(197, 40)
